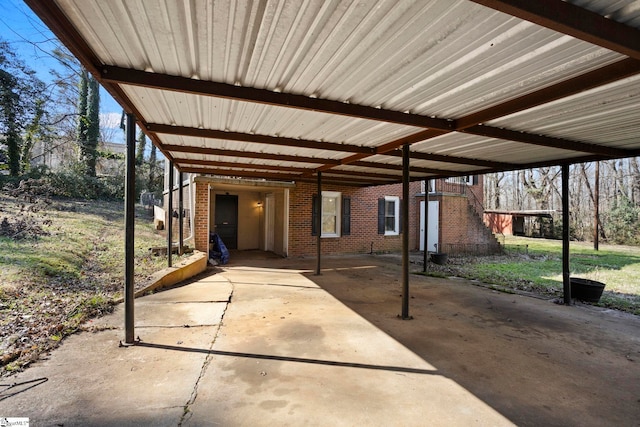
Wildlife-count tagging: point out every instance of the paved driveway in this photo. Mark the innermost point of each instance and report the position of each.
(265, 342)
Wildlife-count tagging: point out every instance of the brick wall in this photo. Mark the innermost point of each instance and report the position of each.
(364, 235)
(454, 216)
(201, 216)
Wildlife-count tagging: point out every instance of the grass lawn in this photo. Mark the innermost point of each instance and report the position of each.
(536, 265)
(67, 271)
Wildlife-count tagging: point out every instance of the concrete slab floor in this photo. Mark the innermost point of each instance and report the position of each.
(265, 342)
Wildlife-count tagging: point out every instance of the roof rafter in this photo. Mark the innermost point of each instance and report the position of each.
(119, 75)
(436, 126)
(545, 141)
(590, 80)
(246, 154)
(320, 145)
(550, 163)
(262, 139)
(389, 177)
(362, 181)
(418, 169)
(200, 162)
(449, 159)
(573, 20)
(242, 173)
(608, 74)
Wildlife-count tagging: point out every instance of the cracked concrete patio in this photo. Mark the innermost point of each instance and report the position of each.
(264, 342)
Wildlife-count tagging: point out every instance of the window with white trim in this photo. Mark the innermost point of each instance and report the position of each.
(391, 215)
(335, 220)
(330, 214)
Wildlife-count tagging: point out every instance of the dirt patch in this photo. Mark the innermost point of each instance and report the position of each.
(536, 362)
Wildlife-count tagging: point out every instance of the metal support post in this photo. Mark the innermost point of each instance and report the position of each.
(425, 220)
(180, 215)
(405, 232)
(129, 220)
(170, 217)
(596, 209)
(566, 282)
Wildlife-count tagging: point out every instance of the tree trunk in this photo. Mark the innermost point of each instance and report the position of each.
(93, 126)
(142, 142)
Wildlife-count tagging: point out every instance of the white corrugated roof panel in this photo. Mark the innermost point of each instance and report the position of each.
(579, 117)
(348, 72)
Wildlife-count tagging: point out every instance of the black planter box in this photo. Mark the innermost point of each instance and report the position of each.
(439, 258)
(586, 289)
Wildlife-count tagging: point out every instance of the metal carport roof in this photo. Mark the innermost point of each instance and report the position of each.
(283, 89)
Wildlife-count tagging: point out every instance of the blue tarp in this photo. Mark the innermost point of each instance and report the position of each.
(218, 251)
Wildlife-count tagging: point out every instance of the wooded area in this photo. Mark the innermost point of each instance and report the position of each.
(51, 132)
(616, 198)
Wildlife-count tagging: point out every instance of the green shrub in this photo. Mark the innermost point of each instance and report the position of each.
(70, 184)
(623, 223)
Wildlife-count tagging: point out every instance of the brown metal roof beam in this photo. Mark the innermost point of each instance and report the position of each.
(411, 139)
(262, 96)
(276, 176)
(338, 182)
(359, 173)
(546, 141)
(242, 173)
(533, 165)
(399, 167)
(449, 159)
(262, 139)
(608, 74)
(360, 178)
(573, 20)
(245, 154)
(199, 162)
(374, 165)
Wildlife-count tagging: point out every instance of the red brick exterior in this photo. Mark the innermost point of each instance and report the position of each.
(201, 216)
(364, 220)
(455, 219)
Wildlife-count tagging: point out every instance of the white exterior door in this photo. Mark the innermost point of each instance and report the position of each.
(432, 237)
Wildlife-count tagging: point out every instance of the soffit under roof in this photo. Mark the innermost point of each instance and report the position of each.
(283, 89)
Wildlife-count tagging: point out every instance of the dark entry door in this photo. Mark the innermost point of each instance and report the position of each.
(226, 216)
